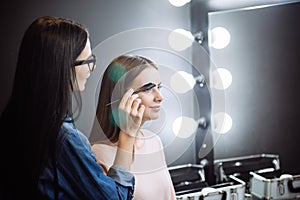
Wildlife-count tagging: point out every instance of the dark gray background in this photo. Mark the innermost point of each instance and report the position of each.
(263, 57)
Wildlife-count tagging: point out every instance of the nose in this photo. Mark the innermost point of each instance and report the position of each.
(158, 97)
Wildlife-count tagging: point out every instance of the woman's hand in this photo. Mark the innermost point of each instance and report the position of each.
(130, 119)
(131, 113)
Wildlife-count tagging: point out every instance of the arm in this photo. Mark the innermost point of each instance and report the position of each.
(131, 114)
(81, 177)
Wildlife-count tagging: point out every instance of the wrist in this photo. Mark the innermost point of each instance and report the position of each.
(125, 152)
(126, 141)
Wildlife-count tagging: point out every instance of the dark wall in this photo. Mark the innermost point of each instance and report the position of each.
(263, 57)
(103, 18)
(263, 100)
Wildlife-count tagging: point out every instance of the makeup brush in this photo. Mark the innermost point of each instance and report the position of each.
(144, 88)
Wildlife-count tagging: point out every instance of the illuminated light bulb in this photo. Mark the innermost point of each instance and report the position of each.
(222, 122)
(181, 82)
(222, 79)
(180, 39)
(179, 3)
(184, 127)
(219, 37)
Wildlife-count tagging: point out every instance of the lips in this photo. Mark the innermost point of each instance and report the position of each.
(155, 108)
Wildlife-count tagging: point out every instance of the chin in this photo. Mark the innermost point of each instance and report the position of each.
(81, 88)
(154, 116)
(148, 115)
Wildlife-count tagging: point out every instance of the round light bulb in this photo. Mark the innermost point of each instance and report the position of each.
(180, 39)
(179, 3)
(182, 82)
(184, 127)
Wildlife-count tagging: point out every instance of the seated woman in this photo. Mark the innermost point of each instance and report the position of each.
(149, 167)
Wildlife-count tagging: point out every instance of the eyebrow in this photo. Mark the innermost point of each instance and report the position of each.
(145, 87)
(150, 83)
(141, 89)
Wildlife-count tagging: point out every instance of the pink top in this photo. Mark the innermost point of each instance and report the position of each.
(152, 178)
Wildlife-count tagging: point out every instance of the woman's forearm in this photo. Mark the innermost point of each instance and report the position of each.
(124, 156)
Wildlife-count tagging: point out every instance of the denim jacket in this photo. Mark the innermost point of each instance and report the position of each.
(77, 175)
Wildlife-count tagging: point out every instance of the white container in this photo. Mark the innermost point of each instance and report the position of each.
(187, 178)
(268, 186)
(234, 189)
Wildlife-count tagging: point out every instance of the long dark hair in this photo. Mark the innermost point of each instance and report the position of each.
(117, 78)
(44, 86)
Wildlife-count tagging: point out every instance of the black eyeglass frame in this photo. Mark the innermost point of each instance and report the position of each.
(92, 59)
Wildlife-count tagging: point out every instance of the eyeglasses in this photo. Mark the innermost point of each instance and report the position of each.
(91, 62)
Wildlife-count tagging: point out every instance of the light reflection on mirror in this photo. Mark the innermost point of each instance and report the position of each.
(221, 78)
(219, 37)
(221, 122)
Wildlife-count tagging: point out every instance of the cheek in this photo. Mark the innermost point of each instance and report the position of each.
(145, 100)
(81, 72)
(81, 77)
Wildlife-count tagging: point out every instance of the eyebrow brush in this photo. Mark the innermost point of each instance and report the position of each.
(144, 88)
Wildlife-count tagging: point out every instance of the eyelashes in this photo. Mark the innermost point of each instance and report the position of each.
(148, 87)
(145, 88)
